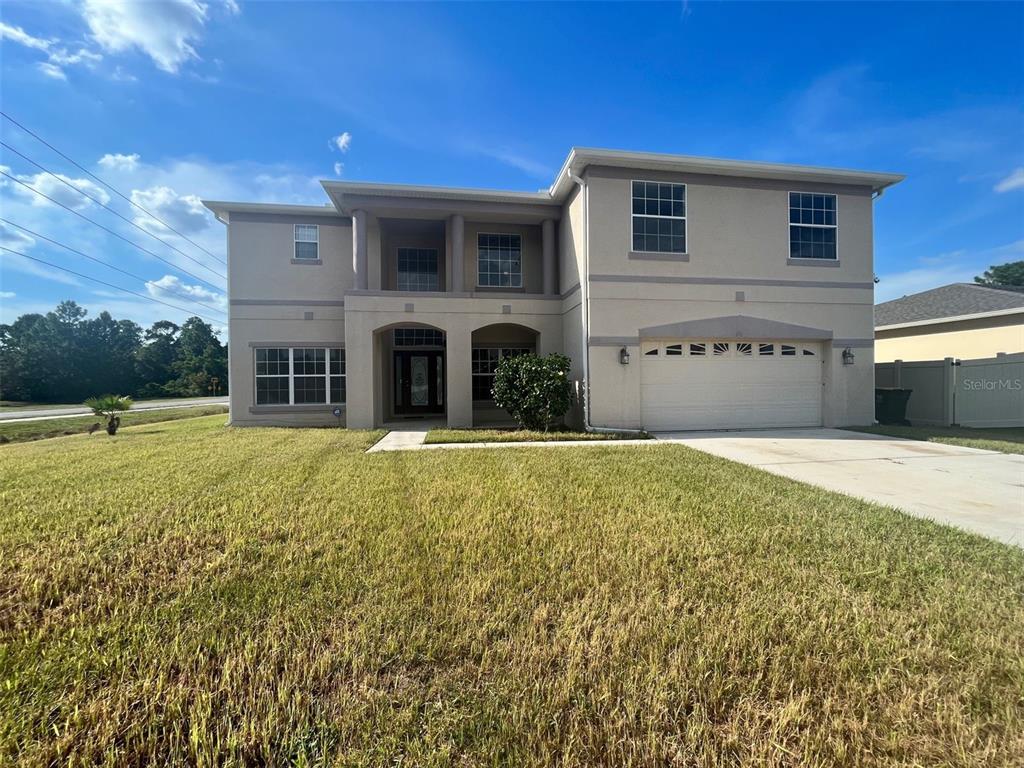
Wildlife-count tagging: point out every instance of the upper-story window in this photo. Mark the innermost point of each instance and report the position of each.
(659, 217)
(499, 260)
(307, 242)
(417, 269)
(812, 226)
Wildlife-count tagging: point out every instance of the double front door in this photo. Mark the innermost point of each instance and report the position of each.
(419, 382)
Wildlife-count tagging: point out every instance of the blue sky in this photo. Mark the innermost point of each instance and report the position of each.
(171, 102)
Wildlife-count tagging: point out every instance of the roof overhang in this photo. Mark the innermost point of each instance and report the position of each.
(222, 209)
(581, 157)
(412, 201)
(953, 319)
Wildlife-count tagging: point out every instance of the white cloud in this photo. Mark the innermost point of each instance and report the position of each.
(21, 37)
(339, 168)
(166, 31)
(48, 185)
(16, 239)
(184, 213)
(341, 142)
(169, 286)
(7, 294)
(51, 70)
(1014, 181)
(57, 57)
(117, 162)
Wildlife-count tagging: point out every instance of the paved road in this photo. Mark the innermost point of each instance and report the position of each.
(37, 414)
(979, 491)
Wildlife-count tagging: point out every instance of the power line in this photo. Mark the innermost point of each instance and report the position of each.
(115, 234)
(111, 188)
(100, 203)
(108, 285)
(107, 264)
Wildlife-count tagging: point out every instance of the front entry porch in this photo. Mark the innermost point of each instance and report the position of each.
(403, 368)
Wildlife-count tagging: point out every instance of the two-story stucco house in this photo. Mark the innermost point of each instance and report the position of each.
(689, 293)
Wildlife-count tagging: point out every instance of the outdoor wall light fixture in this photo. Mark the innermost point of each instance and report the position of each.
(847, 356)
(624, 356)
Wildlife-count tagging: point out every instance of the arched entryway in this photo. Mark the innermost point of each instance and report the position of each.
(490, 344)
(411, 358)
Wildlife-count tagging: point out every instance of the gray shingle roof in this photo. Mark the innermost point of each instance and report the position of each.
(948, 301)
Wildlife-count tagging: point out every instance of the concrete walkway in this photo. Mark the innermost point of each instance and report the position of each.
(976, 490)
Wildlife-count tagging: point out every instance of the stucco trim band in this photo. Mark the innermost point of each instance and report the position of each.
(286, 303)
(735, 327)
(728, 281)
(855, 343)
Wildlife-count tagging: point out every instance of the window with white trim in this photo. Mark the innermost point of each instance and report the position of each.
(307, 242)
(300, 375)
(813, 225)
(499, 260)
(485, 362)
(659, 217)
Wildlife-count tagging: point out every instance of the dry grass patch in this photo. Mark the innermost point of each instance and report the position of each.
(208, 595)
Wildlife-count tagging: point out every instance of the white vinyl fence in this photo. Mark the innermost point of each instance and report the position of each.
(967, 393)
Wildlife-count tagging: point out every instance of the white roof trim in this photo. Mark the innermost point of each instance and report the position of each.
(434, 192)
(576, 161)
(580, 157)
(220, 206)
(952, 319)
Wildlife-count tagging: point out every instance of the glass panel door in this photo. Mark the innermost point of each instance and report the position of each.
(419, 374)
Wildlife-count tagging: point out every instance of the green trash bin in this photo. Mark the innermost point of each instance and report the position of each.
(891, 405)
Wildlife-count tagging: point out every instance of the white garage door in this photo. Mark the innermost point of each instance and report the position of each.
(729, 384)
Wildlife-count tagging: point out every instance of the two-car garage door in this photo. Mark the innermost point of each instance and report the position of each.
(730, 384)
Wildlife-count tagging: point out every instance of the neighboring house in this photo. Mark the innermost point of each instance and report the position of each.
(689, 293)
(962, 320)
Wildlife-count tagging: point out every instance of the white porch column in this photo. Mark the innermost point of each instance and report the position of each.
(359, 251)
(547, 236)
(457, 230)
(458, 377)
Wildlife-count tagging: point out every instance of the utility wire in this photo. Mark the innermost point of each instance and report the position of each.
(115, 234)
(108, 285)
(100, 203)
(107, 264)
(111, 188)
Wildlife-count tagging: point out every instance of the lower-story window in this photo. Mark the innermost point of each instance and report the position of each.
(300, 375)
(485, 363)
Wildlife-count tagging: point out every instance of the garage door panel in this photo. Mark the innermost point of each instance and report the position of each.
(732, 390)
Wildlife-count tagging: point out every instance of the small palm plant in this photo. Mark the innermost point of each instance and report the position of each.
(108, 406)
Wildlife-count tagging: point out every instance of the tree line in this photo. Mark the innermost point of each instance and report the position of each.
(63, 357)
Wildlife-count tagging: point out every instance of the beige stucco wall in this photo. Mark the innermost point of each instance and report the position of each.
(966, 339)
(738, 247)
(270, 298)
(738, 244)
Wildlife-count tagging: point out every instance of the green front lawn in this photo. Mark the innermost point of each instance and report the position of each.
(39, 429)
(1004, 440)
(520, 436)
(195, 594)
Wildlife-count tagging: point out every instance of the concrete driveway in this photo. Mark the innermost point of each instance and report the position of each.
(979, 491)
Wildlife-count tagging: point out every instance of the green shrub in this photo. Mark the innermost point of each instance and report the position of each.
(534, 390)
